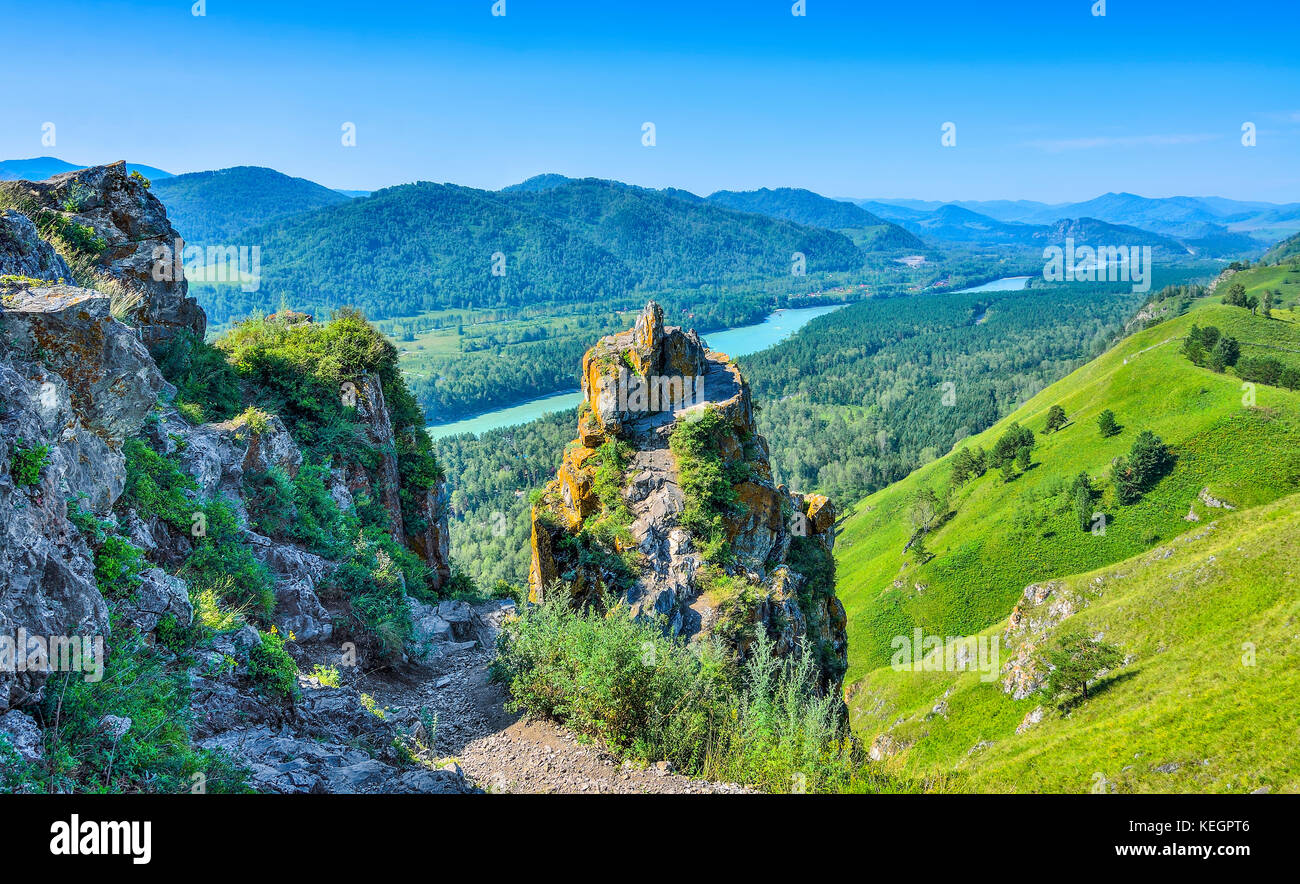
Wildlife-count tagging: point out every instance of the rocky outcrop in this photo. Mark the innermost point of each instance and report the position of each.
(77, 386)
(74, 383)
(772, 572)
(139, 242)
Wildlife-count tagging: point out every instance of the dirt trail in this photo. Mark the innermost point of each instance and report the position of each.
(502, 752)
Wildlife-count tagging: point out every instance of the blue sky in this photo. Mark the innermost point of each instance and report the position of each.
(1050, 102)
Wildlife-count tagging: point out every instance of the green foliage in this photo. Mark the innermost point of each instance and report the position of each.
(1074, 660)
(1055, 419)
(117, 566)
(156, 754)
(707, 480)
(1148, 461)
(1106, 424)
(372, 585)
(221, 562)
(207, 386)
(650, 697)
(271, 667)
(156, 486)
(1084, 497)
(26, 463)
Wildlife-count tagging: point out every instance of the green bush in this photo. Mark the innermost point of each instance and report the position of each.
(651, 697)
(155, 754)
(156, 486)
(270, 665)
(27, 463)
(222, 563)
(707, 480)
(117, 566)
(207, 386)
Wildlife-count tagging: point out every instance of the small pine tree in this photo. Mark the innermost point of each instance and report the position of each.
(1106, 423)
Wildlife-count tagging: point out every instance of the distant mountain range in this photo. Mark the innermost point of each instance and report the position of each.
(1207, 219)
(40, 168)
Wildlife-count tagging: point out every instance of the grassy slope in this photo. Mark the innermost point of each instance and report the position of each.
(1183, 613)
(1006, 535)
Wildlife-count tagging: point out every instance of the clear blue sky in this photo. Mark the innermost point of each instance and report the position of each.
(1050, 102)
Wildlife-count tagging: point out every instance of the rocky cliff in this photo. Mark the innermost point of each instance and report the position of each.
(666, 501)
(114, 525)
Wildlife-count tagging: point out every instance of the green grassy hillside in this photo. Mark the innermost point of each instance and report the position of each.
(1003, 535)
(1205, 703)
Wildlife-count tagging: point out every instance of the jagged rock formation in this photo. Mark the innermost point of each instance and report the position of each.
(76, 386)
(140, 244)
(769, 568)
(74, 380)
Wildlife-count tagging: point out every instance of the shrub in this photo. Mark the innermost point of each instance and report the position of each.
(1148, 461)
(270, 665)
(1106, 424)
(117, 566)
(651, 697)
(27, 463)
(207, 386)
(706, 479)
(155, 754)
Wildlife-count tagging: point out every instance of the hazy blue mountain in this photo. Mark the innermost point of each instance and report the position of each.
(40, 168)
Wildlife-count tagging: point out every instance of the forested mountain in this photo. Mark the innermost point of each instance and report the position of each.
(1287, 250)
(805, 207)
(421, 247)
(217, 207)
(668, 240)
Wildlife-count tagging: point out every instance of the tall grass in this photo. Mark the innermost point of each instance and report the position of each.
(763, 723)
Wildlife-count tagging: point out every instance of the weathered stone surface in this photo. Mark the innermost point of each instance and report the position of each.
(159, 595)
(74, 383)
(22, 734)
(134, 226)
(111, 381)
(24, 253)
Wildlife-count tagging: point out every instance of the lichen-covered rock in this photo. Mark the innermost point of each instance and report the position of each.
(140, 242)
(639, 387)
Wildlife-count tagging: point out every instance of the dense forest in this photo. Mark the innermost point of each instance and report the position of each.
(422, 247)
(863, 396)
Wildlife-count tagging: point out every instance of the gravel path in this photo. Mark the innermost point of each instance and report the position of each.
(501, 752)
